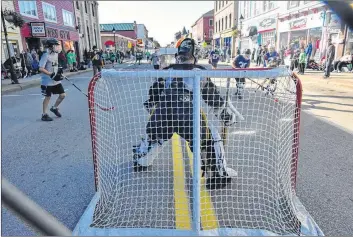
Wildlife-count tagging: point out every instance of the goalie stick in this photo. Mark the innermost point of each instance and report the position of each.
(101, 107)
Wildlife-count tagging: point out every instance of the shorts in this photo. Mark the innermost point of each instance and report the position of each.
(49, 90)
(156, 67)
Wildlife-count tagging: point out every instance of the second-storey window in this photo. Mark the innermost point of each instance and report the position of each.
(28, 8)
(49, 12)
(211, 22)
(292, 4)
(68, 18)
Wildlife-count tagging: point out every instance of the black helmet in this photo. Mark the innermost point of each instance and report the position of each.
(51, 42)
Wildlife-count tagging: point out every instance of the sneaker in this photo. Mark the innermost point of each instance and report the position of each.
(55, 111)
(46, 117)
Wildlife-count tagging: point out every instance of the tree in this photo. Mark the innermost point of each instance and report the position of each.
(156, 44)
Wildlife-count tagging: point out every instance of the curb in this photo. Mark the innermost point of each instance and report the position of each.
(32, 83)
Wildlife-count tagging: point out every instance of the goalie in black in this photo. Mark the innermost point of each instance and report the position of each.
(171, 109)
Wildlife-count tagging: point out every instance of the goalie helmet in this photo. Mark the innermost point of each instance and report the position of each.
(186, 49)
(51, 43)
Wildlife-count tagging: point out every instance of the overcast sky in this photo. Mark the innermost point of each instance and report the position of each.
(161, 18)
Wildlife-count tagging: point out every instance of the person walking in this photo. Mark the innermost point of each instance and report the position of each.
(259, 54)
(302, 59)
(308, 51)
(155, 60)
(330, 55)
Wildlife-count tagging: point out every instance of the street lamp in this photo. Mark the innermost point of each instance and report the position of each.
(114, 39)
(12, 68)
(240, 29)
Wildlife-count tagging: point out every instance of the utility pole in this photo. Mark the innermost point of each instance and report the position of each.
(12, 68)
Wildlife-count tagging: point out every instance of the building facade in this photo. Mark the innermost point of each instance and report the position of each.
(87, 19)
(291, 24)
(125, 36)
(225, 23)
(13, 35)
(54, 19)
(202, 29)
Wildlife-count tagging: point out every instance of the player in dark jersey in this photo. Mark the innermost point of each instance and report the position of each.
(241, 61)
(214, 58)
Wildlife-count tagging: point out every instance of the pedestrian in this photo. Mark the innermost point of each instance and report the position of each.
(308, 51)
(155, 60)
(229, 52)
(70, 59)
(96, 61)
(302, 60)
(259, 54)
(148, 55)
(344, 61)
(330, 55)
(51, 77)
(214, 58)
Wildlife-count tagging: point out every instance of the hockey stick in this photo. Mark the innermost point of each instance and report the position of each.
(224, 129)
(102, 108)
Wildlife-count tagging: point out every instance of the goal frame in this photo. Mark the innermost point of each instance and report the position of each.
(308, 227)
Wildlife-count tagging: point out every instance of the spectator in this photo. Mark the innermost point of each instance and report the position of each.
(71, 58)
(229, 52)
(62, 60)
(344, 61)
(308, 51)
(259, 54)
(96, 61)
(302, 59)
(155, 60)
(330, 55)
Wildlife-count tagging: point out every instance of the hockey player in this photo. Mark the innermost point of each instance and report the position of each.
(213, 58)
(171, 111)
(241, 61)
(51, 77)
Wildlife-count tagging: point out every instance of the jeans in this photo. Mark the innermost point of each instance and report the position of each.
(328, 68)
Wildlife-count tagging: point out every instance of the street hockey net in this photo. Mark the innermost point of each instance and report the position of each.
(170, 196)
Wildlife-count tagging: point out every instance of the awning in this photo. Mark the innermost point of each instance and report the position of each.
(252, 31)
(109, 42)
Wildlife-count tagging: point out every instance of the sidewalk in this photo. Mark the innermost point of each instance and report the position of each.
(33, 81)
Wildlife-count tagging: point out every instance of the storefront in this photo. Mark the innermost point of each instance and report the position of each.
(260, 31)
(36, 33)
(296, 31)
(349, 41)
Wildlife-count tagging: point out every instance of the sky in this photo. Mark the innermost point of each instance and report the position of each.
(161, 18)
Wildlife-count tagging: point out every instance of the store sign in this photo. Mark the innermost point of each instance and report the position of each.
(139, 41)
(38, 29)
(268, 23)
(297, 24)
(65, 35)
(59, 34)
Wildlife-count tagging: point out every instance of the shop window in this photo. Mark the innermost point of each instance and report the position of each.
(49, 12)
(210, 33)
(28, 8)
(293, 4)
(68, 18)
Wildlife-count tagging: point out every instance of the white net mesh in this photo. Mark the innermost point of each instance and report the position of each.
(260, 150)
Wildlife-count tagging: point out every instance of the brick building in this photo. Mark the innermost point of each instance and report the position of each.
(48, 19)
(87, 19)
(202, 29)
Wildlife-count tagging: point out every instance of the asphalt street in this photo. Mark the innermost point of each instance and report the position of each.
(52, 162)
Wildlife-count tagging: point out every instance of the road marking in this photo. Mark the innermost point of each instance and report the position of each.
(181, 200)
(208, 214)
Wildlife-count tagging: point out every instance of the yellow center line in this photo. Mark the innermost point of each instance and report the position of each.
(181, 200)
(208, 214)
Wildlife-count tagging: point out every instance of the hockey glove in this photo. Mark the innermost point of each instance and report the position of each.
(56, 77)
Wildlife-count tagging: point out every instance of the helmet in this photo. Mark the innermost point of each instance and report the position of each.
(186, 50)
(51, 42)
